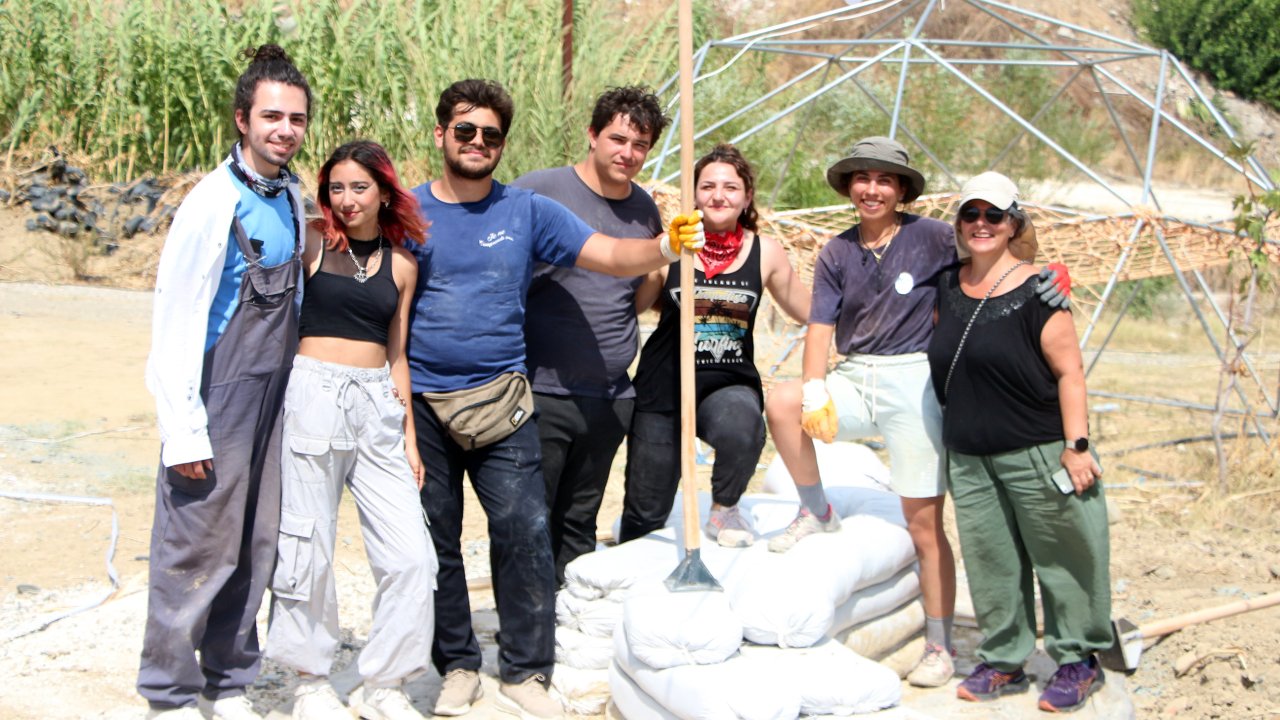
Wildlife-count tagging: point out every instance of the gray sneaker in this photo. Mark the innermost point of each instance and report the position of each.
(805, 524)
(730, 528)
(461, 688)
(529, 700)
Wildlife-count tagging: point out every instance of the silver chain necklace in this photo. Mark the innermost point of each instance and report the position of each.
(361, 275)
(946, 387)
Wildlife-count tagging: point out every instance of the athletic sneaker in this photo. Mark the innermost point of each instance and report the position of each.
(461, 688)
(315, 699)
(236, 707)
(1071, 686)
(730, 528)
(934, 669)
(529, 700)
(988, 683)
(383, 703)
(805, 524)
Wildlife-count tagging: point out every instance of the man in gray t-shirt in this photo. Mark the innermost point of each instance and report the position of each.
(580, 326)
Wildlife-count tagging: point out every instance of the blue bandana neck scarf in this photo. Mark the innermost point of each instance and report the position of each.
(255, 182)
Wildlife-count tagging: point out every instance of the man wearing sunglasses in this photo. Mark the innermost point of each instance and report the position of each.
(467, 335)
(580, 326)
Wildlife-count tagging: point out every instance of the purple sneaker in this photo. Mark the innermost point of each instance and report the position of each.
(988, 683)
(1071, 686)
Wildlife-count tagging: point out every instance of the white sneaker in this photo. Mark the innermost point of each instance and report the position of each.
(384, 703)
(934, 669)
(182, 713)
(315, 699)
(236, 707)
(728, 527)
(805, 524)
(461, 688)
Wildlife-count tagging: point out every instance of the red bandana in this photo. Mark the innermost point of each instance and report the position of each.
(720, 251)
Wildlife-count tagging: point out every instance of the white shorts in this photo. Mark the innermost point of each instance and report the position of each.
(892, 396)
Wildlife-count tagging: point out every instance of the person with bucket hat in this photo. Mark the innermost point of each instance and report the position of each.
(1008, 372)
(874, 287)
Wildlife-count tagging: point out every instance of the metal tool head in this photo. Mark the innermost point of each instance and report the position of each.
(691, 575)
(1126, 649)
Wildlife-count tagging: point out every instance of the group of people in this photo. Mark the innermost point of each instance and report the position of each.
(407, 337)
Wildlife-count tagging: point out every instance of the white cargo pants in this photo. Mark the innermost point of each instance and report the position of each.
(343, 425)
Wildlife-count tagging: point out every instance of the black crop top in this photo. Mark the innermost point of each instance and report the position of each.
(337, 305)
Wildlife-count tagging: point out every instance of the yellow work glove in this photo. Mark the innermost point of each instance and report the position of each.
(685, 232)
(818, 412)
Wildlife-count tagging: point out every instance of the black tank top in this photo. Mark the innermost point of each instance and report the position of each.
(724, 320)
(337, 305)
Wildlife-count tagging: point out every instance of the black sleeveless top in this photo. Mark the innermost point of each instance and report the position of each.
(724, 319)
(1003, 394)
(338, 305)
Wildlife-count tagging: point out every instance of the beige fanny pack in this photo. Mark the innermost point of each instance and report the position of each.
(483, 415)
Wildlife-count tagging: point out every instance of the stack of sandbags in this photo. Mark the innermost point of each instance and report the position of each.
(825, 584)
(841, 464)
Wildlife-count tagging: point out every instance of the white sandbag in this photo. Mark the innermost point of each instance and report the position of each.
(582, 651)
(725, 691)
(877, 600)
(767, 682)
(668, 629)
(595, 617)
(840, 464)
(790, 599)
(584, 692)
(631, 702)
(878, 638)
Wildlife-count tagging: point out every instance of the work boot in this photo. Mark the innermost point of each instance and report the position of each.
(730, 528)
(988, 683)
(805, 524)
(934, 669)
(529, 700)
(315, 699)
(383, 703)
(236, 707)
(461, 688)
(1071, 686)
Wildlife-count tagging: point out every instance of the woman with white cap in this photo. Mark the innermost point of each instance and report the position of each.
(874, 288)
(1008, 372)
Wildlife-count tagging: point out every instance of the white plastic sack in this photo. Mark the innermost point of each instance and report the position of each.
(878, 638)
(632, 702)
(595, 617)
(668, 629)
(582, 651)
(877, 600)
(584, 692)
(840, 464)
(767, 682)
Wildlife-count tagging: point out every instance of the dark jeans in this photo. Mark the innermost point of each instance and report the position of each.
(580, 435)
(729, 419)
(507, 478)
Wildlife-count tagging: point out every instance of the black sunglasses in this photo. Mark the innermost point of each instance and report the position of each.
(971, 213)
(466, 132)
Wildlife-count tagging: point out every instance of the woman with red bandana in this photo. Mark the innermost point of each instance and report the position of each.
(732, 270)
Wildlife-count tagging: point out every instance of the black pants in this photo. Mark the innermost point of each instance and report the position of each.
(729, 419)
(580, 435)
(507, 478)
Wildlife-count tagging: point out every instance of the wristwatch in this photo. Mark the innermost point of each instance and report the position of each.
(1080, 444)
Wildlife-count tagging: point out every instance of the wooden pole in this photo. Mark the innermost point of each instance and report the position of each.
(688, 410)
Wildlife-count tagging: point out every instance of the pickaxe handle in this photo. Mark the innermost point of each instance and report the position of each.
(1177, 622)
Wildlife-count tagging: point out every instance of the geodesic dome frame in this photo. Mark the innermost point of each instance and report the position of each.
(1146, 240)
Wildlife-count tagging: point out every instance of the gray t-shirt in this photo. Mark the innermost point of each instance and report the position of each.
(580, 326)
(882, 307)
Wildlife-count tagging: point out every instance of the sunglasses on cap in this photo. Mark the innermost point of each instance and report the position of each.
(466, 132)
(971, 213)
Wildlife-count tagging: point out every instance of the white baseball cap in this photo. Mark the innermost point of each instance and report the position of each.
(992, 187)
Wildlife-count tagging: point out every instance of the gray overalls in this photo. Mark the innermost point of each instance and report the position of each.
(213, 542)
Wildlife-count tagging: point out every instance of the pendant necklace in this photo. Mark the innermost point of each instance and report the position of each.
(361, 275)
(883, 248)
